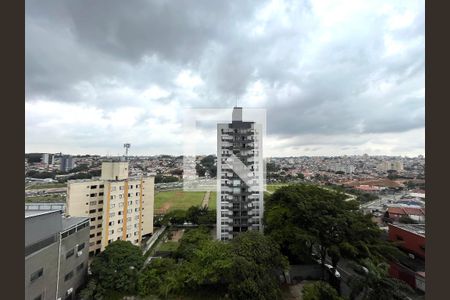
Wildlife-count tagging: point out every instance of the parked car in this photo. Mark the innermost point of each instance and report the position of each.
(333, 270)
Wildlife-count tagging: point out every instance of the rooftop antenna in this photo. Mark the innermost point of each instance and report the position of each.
(126, 146)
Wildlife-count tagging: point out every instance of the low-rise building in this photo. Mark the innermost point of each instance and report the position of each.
(410, 239)
(394, 213)
(56, 257)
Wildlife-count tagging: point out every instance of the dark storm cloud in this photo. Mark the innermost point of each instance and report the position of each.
(358, 75)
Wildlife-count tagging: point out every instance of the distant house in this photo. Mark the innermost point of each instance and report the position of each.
(415, 213)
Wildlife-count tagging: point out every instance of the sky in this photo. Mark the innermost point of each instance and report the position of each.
(334, 77)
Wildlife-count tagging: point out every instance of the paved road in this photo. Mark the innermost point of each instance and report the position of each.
(206, 199)
(152, 241)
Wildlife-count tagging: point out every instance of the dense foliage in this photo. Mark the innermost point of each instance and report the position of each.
(377, 285)
(115, 269)
(165, 179)
(320, 290)
(306, 219)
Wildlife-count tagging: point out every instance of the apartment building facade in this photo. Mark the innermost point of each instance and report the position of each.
(119, 207)
(240, 177)
(56, 256)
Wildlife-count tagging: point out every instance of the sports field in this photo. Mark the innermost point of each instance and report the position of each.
(212, 200)
(170, 200)
(274, 187)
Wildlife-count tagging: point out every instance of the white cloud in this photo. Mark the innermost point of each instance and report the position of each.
(335, 76)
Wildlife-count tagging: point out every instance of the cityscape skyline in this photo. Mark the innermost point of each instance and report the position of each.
(335, 79)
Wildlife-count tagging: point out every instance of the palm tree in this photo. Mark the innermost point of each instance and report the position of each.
(377, 285)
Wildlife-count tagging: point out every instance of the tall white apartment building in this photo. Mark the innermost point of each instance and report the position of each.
(240, 177)
(119, 207)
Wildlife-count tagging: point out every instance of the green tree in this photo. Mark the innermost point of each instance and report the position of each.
(191, 240)
(177, 216)
(320, 290)
(116, 268)
(377, 285)
(303, 218)
(151, 278)
(256, 262)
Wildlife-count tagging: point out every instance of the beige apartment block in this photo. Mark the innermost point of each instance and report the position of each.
(119, 207)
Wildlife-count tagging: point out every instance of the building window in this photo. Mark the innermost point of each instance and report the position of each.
(93, 203)
(101, 201)
(92, 227)
(93, 195)
(92, 211)
(92, 219)
(68, 276)
(99, 233)
(101, 186)
(93, 187)
(80, 247)
(91, 235)
(98, 242)
(101, 194)
(80, 267)
(99, 226)
(37, 274)
(70, 253)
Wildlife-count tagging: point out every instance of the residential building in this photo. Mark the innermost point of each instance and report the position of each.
(119, 207)
(394, 213)
(66, 163)
(47, 158)
(56, 257)
(240, 177)
(410, 239)
(396, 165)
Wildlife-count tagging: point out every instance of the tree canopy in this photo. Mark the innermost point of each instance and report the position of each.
(306, 218)
(115, 269)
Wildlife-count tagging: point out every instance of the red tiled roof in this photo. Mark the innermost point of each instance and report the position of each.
(414, 211)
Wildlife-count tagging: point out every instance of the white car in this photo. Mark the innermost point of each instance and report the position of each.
(331, 269)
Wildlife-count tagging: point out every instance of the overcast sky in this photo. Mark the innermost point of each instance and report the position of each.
(336, 77)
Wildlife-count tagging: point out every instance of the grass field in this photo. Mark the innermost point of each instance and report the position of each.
(168, 246)
(170, 200)
(212, 200)
(274, 187)
(46, 186)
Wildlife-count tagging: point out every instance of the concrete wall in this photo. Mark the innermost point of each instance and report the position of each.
(305, 271)
(45, 258)
(114, 170)
(71, 263)
(148, 201)
(41, 227)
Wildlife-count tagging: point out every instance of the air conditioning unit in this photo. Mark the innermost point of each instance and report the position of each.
(79, 253)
